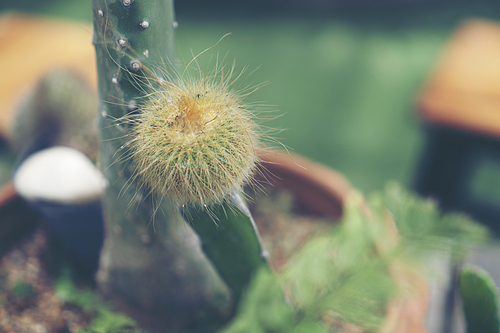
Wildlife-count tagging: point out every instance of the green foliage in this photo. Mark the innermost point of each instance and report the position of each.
(111, 322)
(422, 226)
(104, 319)
(341, 275)
(264, 309)
(344, 277)
(480, 300)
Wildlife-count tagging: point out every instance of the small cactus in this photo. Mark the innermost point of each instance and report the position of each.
(194, 141)
(60, 110)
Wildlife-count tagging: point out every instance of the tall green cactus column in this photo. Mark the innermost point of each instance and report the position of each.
(159, 269)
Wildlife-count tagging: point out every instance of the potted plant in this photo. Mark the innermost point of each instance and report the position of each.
(155, 266)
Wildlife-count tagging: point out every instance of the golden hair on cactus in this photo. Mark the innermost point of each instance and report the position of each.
(193, 140)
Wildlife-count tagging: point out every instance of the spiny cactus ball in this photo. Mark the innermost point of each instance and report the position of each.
(60, 110)
(194, 141)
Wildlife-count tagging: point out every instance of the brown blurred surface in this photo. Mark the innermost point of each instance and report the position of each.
(464, 89)
(319, 188)
(30, 46)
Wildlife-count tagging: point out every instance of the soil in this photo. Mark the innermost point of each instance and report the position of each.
(284, 225)
(28, 302)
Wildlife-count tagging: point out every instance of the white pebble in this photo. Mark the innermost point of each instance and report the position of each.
(61, 175)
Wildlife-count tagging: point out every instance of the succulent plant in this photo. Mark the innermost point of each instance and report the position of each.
(479, 300)
(171, 141)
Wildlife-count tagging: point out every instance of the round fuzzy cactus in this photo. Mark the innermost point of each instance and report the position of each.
(194, 142)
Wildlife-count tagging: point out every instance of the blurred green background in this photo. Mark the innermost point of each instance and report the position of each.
(344, 75)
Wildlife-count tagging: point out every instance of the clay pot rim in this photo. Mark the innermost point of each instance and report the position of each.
(318, 188)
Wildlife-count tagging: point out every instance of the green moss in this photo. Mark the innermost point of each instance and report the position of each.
(104, 319)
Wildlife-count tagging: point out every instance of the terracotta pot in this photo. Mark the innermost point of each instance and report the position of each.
(318, 188)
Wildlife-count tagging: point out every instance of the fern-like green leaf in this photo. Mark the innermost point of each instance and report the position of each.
(343, 278)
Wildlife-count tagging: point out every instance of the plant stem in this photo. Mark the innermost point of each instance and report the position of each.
(133, 41)
(153, 265)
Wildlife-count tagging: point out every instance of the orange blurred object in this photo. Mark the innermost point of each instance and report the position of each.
(464, 89)
(31, 46)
